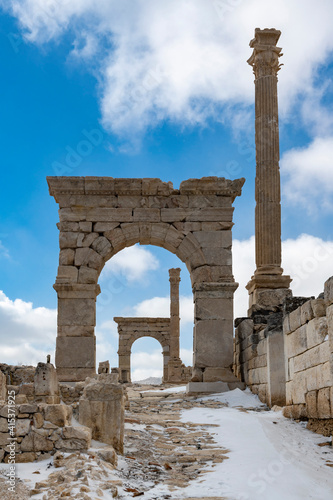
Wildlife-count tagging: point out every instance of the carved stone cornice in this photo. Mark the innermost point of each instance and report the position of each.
(265, 57)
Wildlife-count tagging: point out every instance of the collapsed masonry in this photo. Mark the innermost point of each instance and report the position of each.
(35, 424)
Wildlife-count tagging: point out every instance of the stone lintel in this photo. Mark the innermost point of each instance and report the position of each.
(76, 291)
(127, 320)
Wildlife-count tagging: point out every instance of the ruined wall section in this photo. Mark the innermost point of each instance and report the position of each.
(308, 333)
(250, 357)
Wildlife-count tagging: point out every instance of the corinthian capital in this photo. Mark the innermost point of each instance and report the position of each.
(265, 56)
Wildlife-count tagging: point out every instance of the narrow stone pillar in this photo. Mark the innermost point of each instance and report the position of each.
(174, 278)
(76, 341)
(174, 370)
(268, 286)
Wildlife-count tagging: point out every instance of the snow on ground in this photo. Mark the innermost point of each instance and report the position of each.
(270, 457)
(178, 388)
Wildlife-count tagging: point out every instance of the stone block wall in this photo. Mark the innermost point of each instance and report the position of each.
(308, 333)
(250, 357)
(40, 429)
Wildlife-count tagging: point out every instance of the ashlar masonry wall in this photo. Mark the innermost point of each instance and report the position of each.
(259, 358)
(308, 333)
(287, 358)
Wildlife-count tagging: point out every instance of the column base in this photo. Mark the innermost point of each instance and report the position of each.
(267, 291)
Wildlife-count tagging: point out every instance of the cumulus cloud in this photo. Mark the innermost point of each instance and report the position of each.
(307, 259)
(307, 175)
(182, 60)
(146, 364)
(131, 263)
(160, 307)
(28, 333)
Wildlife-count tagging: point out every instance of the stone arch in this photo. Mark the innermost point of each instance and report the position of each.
(132, 329)
(100, 215)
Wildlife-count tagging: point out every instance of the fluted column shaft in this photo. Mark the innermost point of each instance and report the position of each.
(265, 63)
(174, 278)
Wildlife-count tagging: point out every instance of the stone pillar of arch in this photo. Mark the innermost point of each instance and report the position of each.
(99, 216)
(268, 287)
(175, 363)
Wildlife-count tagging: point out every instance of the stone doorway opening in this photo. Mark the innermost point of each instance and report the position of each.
(147, 357)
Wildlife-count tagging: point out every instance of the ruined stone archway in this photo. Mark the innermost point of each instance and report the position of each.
(132, 329)
(99, 216)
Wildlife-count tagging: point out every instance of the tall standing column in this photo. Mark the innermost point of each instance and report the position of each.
(268, 287)
(174, 278)
(174, 371)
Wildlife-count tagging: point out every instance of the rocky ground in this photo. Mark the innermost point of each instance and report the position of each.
(160, 449)
(176, 448)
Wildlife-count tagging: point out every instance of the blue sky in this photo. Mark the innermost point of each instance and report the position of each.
(167, 88)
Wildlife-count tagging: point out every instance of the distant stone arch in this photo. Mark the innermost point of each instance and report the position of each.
(132, 329)
(99, 216)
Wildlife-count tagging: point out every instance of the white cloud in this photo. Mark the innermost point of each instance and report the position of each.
(27, 334)
(131, 263)
(307, 259)
(186, 355)
(307, 175)
(146, 364)
(182, 60)
(160, 307)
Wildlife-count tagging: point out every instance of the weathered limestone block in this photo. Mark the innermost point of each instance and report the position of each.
(316, 331)
(299, 388)
(66, 257)
(212, 346)
(36, 441)
(58, 414)
(108, 454)
(311, 404)
(88, 257)
(104, 367)
(68, 239)
(46, 385)
(85, 240)
(276, 389)
(147, 214)
(74, 438)
(296, 342)
(295, 319)
(67, 274)
(102, 246)
(109, 215)
(323, 403)
(75, 358)
(101, 409)
(85, 227)
(214, 239)
(116, 238)
(328, 291)
(22, 426)
(3, 388)
(87, 275)
(76, 312)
